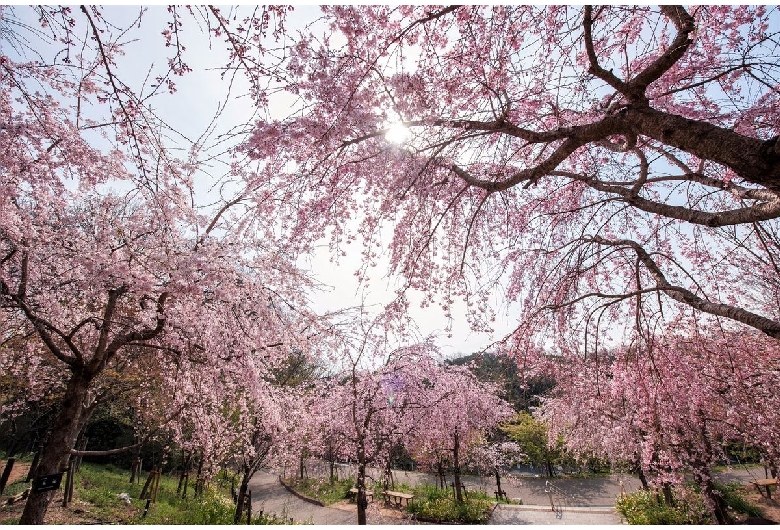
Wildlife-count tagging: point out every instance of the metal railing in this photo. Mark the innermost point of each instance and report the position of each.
(558, 499)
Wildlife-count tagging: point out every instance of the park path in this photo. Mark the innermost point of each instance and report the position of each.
(271, 497)
(586, 501)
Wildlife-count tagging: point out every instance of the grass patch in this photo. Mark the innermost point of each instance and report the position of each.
(322, 489)
(648, 507)
(429, 502)
(733, 495)
(439, 505)
(96, 499)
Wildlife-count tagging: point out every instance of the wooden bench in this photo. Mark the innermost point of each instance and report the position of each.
(766, 482)
(397, 497)
(354, 491)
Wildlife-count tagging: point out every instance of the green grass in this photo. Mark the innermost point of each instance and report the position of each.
(732, 495)
(646, 507)
(96, 491)
(322, 489)
(437, 504)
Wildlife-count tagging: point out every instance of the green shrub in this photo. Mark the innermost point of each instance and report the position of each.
(322, 489)
(437, 504)
(648, 507)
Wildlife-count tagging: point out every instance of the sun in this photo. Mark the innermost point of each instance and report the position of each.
(397, 133)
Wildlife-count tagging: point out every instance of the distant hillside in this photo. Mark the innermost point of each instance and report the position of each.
(521, 392)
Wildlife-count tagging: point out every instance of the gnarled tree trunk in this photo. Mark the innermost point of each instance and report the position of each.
(55, 455)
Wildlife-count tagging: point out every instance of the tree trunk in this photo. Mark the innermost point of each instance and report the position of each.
(643, 479)
(456, 469)
(9, 465)
(362, 501)
(668, 498)
(715, 502)
(63, 437)
(241, 495)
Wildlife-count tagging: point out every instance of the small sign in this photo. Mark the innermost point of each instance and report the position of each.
(47, 482)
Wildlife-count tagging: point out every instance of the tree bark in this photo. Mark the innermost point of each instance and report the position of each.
(362, 501)
(9, 465)
(643, 479)
(456, 469)
(667, 490)
(755, 160)
(63, 437)
(241, 494)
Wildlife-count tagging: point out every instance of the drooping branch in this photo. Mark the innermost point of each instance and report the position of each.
(126, 448)
(764, 211)
(685, 296)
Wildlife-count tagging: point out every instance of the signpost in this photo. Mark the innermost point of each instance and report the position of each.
(47, 482)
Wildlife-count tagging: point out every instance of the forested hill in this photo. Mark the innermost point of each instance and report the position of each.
(522, 392)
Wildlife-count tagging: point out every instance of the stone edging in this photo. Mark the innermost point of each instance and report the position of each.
(300, 496)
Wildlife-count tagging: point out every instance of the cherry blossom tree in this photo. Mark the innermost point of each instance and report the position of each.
(374, 409)
(604, 165)
(465, 412)
(494, 459)
(670, 409)
(107, 260)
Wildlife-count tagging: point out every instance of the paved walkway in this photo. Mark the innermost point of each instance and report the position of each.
(582, 501)
(271, 497)
(513, 514)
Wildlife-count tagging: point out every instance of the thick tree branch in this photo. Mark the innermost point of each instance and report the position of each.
(685, 296)
(759, 212)
(42, 327)
(122, 340)
(752, 159)
(685, 26)
(595, 68)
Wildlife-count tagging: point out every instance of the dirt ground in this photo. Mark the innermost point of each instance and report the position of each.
(385, 512)
(77, 513)
(771, 506)
(19, 471)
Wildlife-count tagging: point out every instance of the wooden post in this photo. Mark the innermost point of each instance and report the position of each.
(156, 485)
(186, 483)
(33, 466)
(6, 473)
(145, 490)
(68, 480)
(199, 479)
(135, 470)
(146, 509)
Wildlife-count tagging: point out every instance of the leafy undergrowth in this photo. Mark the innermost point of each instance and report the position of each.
(437, 504)
(323, 490)
(648, 507)
(98, 498)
